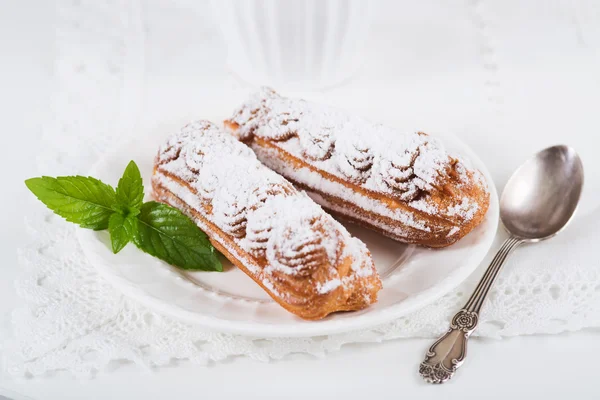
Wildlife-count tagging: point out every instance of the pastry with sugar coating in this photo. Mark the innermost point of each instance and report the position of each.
(406, 186)
(302, 257)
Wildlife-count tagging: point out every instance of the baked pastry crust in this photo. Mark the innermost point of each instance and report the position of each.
(405, 186)
(301, 256)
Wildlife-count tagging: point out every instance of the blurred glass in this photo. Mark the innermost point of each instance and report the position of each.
(293, 44)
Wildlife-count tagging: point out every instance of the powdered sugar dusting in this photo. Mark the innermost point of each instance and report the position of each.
(262, 212)
(300, 239)
(465, 209)
(329, 286)
(413, 169)
(400, 165)
(453, 231)
(307, 177)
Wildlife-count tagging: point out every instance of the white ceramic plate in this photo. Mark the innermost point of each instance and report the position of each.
(231, 302)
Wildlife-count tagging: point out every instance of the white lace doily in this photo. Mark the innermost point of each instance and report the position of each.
(74, 320)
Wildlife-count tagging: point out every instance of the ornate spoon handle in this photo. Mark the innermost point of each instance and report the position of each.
(448, 353)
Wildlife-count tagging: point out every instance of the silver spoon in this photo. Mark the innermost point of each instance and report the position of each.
(537, 203)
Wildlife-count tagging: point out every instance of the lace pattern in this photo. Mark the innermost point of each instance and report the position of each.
(76, 321)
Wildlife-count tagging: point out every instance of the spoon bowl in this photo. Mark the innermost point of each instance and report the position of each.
(541, 196)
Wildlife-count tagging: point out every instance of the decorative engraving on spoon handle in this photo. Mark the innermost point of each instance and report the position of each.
(448, 353)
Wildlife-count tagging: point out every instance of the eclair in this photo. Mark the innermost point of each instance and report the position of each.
(302, 257)
(405, 186)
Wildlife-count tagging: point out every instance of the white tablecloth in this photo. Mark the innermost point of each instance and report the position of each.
(516, 80)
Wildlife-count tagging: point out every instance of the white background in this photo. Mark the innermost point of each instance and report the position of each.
(550, 366)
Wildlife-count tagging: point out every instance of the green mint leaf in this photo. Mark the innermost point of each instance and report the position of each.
(164, 232)
(130, 190)
(83, 200)
(121, 230)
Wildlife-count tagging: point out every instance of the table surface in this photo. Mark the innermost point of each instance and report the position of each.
(539, 366)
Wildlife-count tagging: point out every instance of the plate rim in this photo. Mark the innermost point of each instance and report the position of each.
(317, 328)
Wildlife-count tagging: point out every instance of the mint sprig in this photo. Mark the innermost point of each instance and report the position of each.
(155, 228)
(166, 233)
(121, 228)
(83, 200)
(130, 190)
